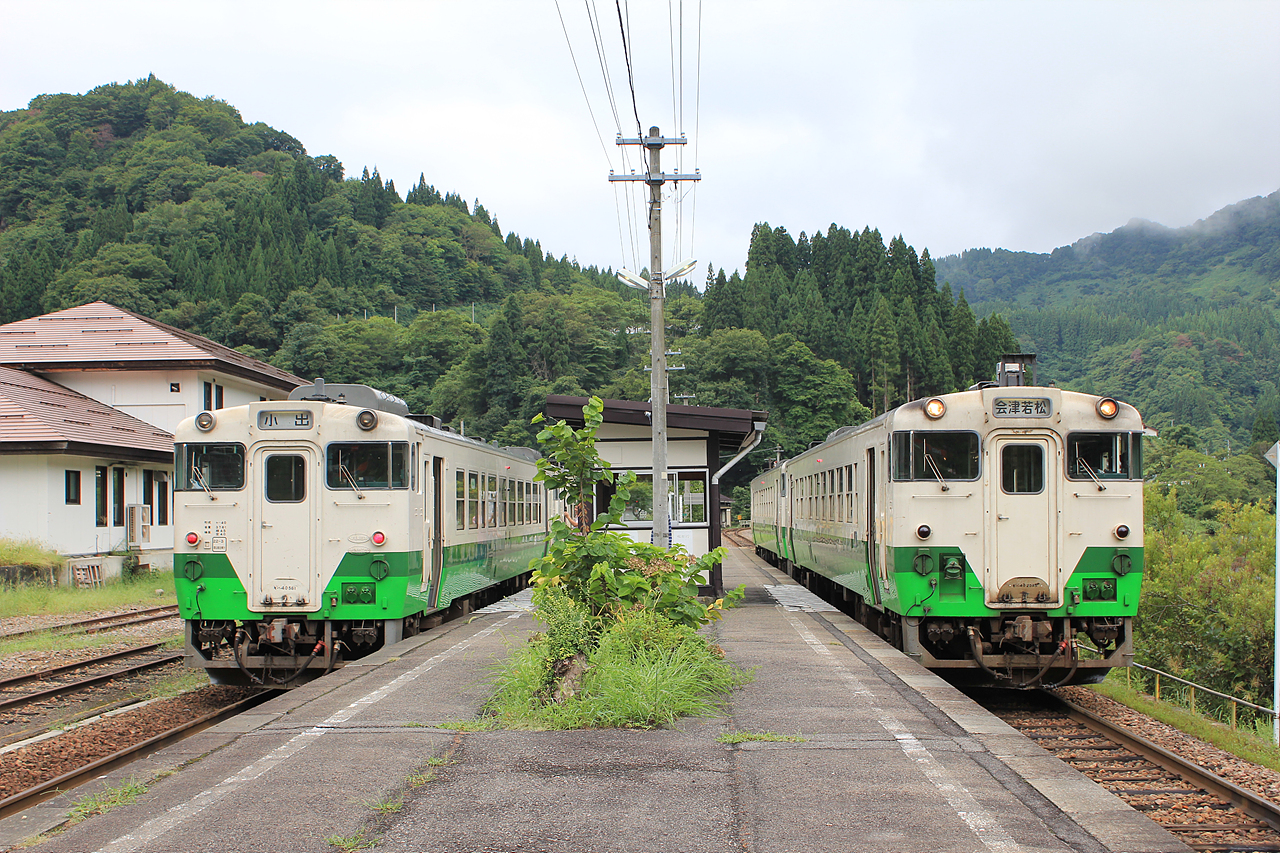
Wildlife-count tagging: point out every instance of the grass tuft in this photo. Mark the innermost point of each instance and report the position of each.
(348, 843)
(41, 599)
(101, 802)
(769, 737)
(646, 672)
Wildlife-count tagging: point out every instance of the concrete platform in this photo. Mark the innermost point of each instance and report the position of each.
(890, 758)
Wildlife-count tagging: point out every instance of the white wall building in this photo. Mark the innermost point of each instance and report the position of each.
(89, 400)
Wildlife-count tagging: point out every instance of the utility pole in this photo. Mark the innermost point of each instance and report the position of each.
(654, 143)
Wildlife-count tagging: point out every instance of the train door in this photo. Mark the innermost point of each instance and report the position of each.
(434, 491)
(285, 569)
(1022, 563)
(874, 556)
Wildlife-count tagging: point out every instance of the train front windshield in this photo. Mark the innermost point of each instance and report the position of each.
(1105, 455)
(367, 465)
(208, 467)
(928, 455)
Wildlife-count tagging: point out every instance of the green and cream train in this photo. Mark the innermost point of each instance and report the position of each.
(994, 535)
(316, 529)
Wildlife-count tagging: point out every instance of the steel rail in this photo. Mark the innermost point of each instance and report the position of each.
(73, 686)
(1252, 804)
(48, 789)
(15, 680)
(90, 626)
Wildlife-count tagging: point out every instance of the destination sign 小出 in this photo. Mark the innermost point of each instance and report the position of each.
(284, 420)
(1022, 407)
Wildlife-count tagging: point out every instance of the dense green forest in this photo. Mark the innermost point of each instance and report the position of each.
(174, 207)
(1180, 322)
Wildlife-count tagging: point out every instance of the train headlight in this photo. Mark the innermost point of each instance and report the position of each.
(924, 531)
(205, 421)
(379, 538)
(1122, 532)
(1108, 408)
(193, 539)
(367, 419)
(935, 408)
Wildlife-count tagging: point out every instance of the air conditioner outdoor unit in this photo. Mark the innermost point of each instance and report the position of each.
(137, 519)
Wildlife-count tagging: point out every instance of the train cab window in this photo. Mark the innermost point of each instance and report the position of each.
(286, 480)
(929, 455)
(208, 467)
(1022, 469)
(1104, 455)
(367, 465)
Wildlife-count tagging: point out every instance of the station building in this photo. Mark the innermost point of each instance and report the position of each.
(89, 400)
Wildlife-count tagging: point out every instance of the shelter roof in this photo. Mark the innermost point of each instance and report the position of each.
(731, 424)
(39, 416)
(100, 336)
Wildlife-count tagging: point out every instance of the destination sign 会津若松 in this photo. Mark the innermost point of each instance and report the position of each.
(1022, 407)
(284, 420)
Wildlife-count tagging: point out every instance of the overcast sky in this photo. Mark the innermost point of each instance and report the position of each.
(1023, 125)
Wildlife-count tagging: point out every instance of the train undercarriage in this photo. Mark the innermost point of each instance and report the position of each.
(1018, 650)
(281, 651)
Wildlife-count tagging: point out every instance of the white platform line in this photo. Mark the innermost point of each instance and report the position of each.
(962, 801)
(176, 815)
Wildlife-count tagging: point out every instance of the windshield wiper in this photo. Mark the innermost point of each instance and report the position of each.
(198, 478)
(342, 470)
(1088, 469)
(928, 460)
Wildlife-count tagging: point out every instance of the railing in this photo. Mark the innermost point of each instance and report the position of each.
(1190, 692)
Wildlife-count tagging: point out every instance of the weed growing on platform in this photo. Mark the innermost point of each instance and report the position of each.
(758, 737)
(646, 671)
(101, 802)
(358, 841)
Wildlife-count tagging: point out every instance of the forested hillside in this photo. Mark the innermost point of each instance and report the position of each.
(174, 207)
(1180, 322)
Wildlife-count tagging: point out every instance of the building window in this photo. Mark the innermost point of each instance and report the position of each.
(212, 396)
(117, 497)
(72, 488)
(100, 495)
(162, 499)
(175, 387)
(148, 491)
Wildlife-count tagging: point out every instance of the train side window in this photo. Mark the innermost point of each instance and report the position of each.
(460, 499)
(520, 502)
(1022, 469)
(491, 500)
(1105, 455)
(473, 500)
(286, 480)
(502, 501)
(537, 503)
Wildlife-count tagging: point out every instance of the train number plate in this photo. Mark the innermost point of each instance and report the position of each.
(284, 420)
(1022, 407)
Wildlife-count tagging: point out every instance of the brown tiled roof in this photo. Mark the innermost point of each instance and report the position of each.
(39, 416)
(100, 336)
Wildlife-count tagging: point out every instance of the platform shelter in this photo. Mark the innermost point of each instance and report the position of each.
(703, 444)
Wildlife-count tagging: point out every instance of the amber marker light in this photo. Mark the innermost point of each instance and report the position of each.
(1108, 408)
(935, 408)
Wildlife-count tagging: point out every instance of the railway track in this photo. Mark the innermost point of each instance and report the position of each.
(101, 623)
(13, 700)
(97, 752)
(1205, 811)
